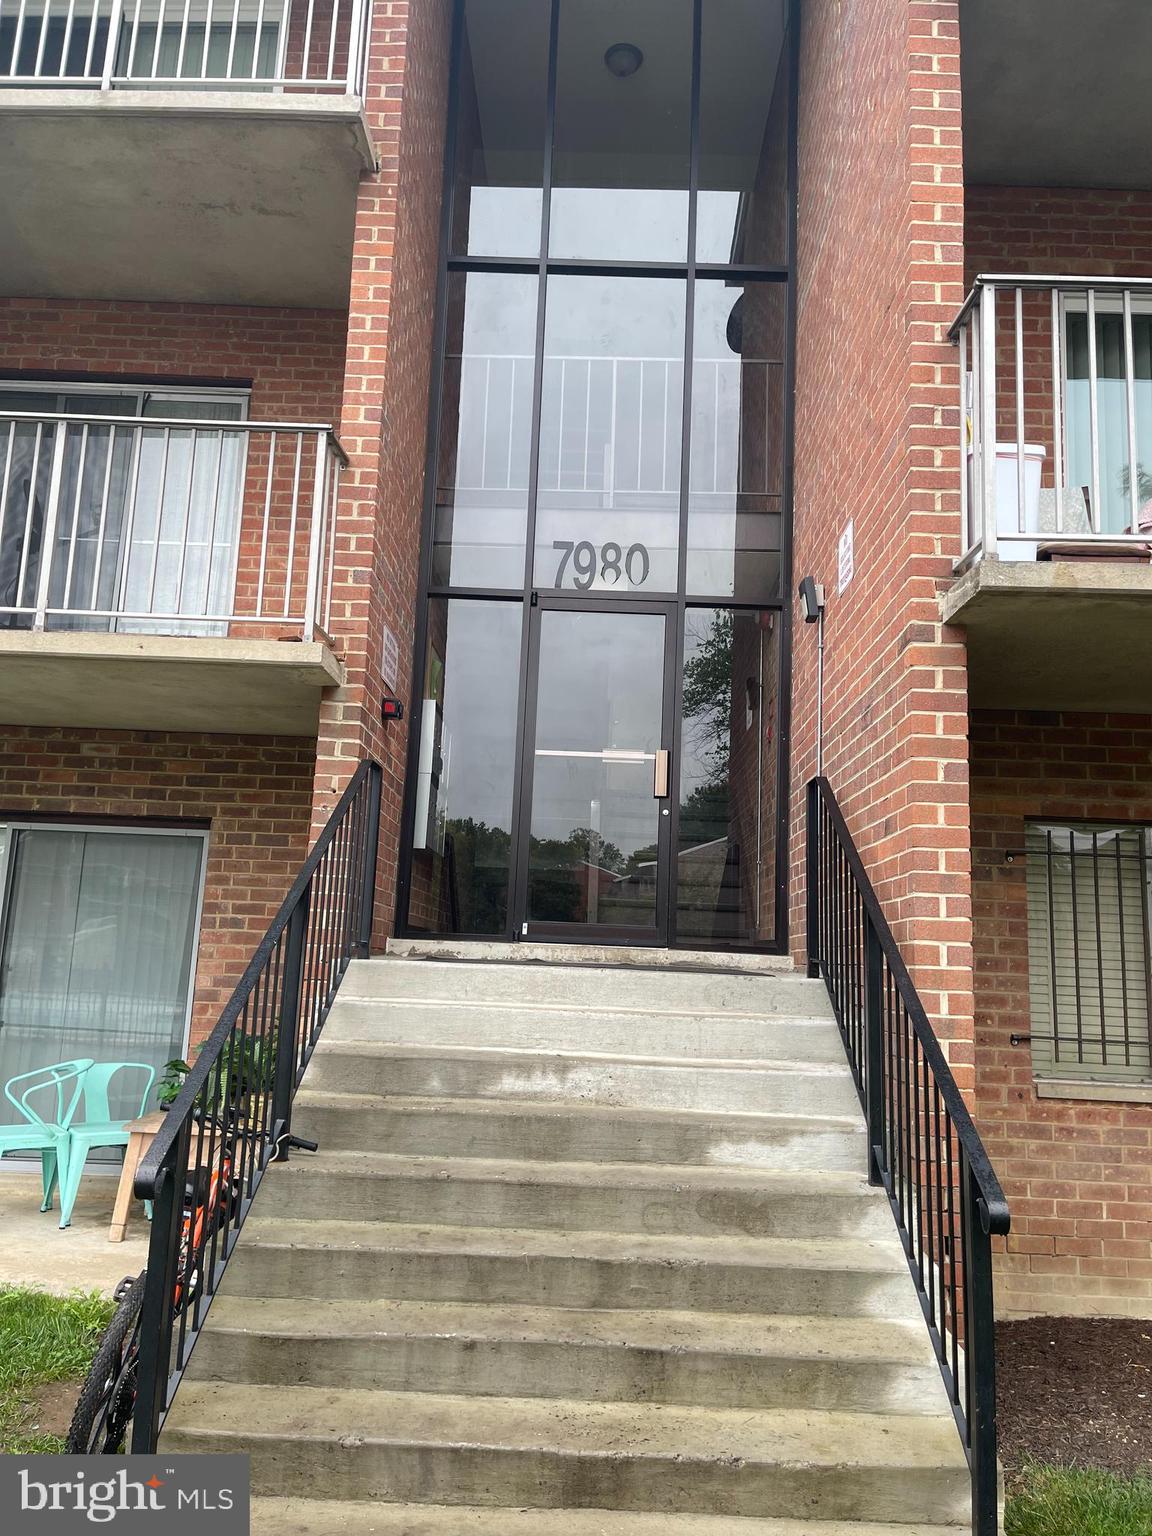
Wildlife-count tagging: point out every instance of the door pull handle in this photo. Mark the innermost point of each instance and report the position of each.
(662, 775)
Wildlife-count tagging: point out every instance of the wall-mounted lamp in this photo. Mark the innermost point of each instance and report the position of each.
(812, 603)
(812, 598)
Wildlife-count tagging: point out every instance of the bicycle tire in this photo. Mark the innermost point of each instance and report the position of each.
(104, 1409)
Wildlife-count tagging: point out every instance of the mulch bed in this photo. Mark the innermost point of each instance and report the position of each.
(1075, 1392)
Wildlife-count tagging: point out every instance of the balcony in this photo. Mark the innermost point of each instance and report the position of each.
(161, 149)
(151, 572)
(1055, 584)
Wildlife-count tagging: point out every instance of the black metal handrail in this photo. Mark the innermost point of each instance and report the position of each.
(233, 1115)
(923, 1147)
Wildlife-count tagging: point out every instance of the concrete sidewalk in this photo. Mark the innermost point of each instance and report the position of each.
(34, 1251)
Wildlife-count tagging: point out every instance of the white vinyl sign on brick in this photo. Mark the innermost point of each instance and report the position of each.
(846, 560)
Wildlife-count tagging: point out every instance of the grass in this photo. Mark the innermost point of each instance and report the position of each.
(42, 1339)
(1072, 1501)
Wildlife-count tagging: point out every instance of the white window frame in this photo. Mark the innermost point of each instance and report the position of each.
(143, 392)
(11, 824)
(1074, 303)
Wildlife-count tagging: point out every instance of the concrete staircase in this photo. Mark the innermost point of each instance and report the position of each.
(587, 1251)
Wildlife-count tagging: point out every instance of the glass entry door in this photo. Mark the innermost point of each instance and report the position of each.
(597, 779)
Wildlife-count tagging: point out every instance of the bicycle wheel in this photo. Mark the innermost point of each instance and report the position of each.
(104, 1411)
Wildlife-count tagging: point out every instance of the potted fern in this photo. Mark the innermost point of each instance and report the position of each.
(170, 1083)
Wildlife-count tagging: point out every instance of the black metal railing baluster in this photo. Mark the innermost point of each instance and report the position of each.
(234, 1112)
(980, 1362)
(819, 897)
(286, 1072)
(922, 1145)
(154, 1366)
(1120, 925)
(874, 1072)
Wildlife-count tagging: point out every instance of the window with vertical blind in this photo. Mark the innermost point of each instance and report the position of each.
(1089, 957)
(98, 931)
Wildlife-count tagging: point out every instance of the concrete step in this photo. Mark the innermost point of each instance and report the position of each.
(574, 1133)
(481, 950)
(640, 1034)
(392, 1446)
(318, 1517)
(786, 1087)
(613, 987)
(362, 1260)
(722, 1360)
(596, 1197)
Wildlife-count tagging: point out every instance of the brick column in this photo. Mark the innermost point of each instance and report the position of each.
(880, 277)
(385, 407)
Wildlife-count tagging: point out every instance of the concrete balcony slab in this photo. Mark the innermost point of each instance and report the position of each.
(216, 196)
(1057, 635)
(165, 682)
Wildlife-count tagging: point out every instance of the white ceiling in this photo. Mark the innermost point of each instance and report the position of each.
(1057, 92)
(645, 115)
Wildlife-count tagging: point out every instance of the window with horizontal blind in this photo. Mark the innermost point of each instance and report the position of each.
(1090, 983)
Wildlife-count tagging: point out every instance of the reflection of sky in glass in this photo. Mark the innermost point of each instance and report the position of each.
(586, 221)
(715, 224)
(481, 677)
(504, 219)
(625, 223)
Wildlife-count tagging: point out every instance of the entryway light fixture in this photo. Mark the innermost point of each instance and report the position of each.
(813, 606)
(623, 60)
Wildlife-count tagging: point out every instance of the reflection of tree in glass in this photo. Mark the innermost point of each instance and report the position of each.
(560, 872)
(708, 700)
(481, 857)
(480, 863)
(581, 846)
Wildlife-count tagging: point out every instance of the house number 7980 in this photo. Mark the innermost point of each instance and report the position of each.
(609, 561)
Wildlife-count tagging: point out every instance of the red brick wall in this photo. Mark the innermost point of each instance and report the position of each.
(385, 408)
(254, 793)
(294, 359)
(1078, 1174)
(880, 225)
(1096, 233)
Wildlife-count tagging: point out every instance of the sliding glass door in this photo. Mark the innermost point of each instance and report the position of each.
(142, 520)
(97, 946)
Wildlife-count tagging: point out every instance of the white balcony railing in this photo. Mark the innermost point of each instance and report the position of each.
(309, 45)
(1056, 418)
(117, 524)
(611, 427)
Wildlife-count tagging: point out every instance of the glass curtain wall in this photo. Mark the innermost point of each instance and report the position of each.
(611, 422)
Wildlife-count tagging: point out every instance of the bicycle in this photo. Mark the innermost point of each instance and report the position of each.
(107, 1399)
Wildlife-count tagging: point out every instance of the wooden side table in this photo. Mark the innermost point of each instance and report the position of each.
(140, 1136)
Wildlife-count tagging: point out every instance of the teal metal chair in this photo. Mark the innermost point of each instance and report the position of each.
(38, 1133)
(98, 1128)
